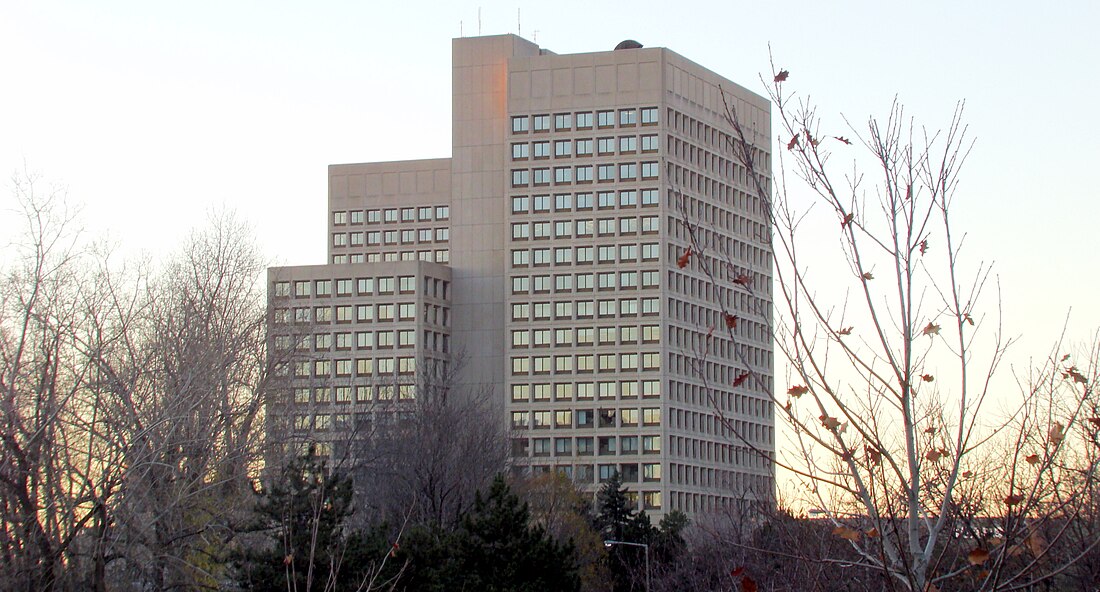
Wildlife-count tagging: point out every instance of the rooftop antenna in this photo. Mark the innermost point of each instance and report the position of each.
(536, 35)
(519, 25)
(479, 21)
(460, 29)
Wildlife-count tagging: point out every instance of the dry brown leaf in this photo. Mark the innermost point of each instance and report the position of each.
(1036, 543)
(683, 260)
(1057, 433)
(977, 556)
(846, 533)
(731, 320)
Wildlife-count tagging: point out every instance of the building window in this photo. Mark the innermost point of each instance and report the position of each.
(520, 419)
(628, 144)
(542, 123)
(521, 178)
(563, 121)
(649, 115)
(562, 148)
(563, 175)
(584, 147)
(542, 176)
(649, 170)
(562, 202)
(584, 120)
(650, 143)
(520, 151)
(628, 117)
(520, 124)
(605, 118)
(605, 146)
(520, 204)
(628, 171)
(542, 149)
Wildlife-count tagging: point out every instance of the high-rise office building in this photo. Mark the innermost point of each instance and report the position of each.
(544, 254)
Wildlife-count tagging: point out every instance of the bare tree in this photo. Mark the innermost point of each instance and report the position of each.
(433, 453)
(893, 354)
(66, 316)
(195, 414)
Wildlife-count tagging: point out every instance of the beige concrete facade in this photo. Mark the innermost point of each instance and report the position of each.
(564, 204)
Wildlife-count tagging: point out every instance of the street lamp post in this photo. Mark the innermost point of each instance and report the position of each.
(644, 546)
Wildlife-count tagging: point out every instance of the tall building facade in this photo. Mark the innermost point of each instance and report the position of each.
(544, 255)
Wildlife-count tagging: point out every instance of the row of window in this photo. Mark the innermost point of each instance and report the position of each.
(585, 200)
(627, 171)
(440, 256)
(390, 237)
(581, 336)
(585, 391)
(390, 215)
(581, 147)
(583, 282)
(586, 363)
(586, 309)
(370, 286)
(581, 120)
(586, 418)
(362, 393)
(363, 367)
(627, 253)
(360, 313)
(589, 446)
(625, 226)
(359, 340)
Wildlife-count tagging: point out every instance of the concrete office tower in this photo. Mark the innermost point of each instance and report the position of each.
(550, 241)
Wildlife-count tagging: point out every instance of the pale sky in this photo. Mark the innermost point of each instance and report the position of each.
(152, 113)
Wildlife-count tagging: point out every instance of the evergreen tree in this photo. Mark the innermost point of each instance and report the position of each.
(614, 511)
(302, 515)
(670, 543)
(500, 551)
(495, 549)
